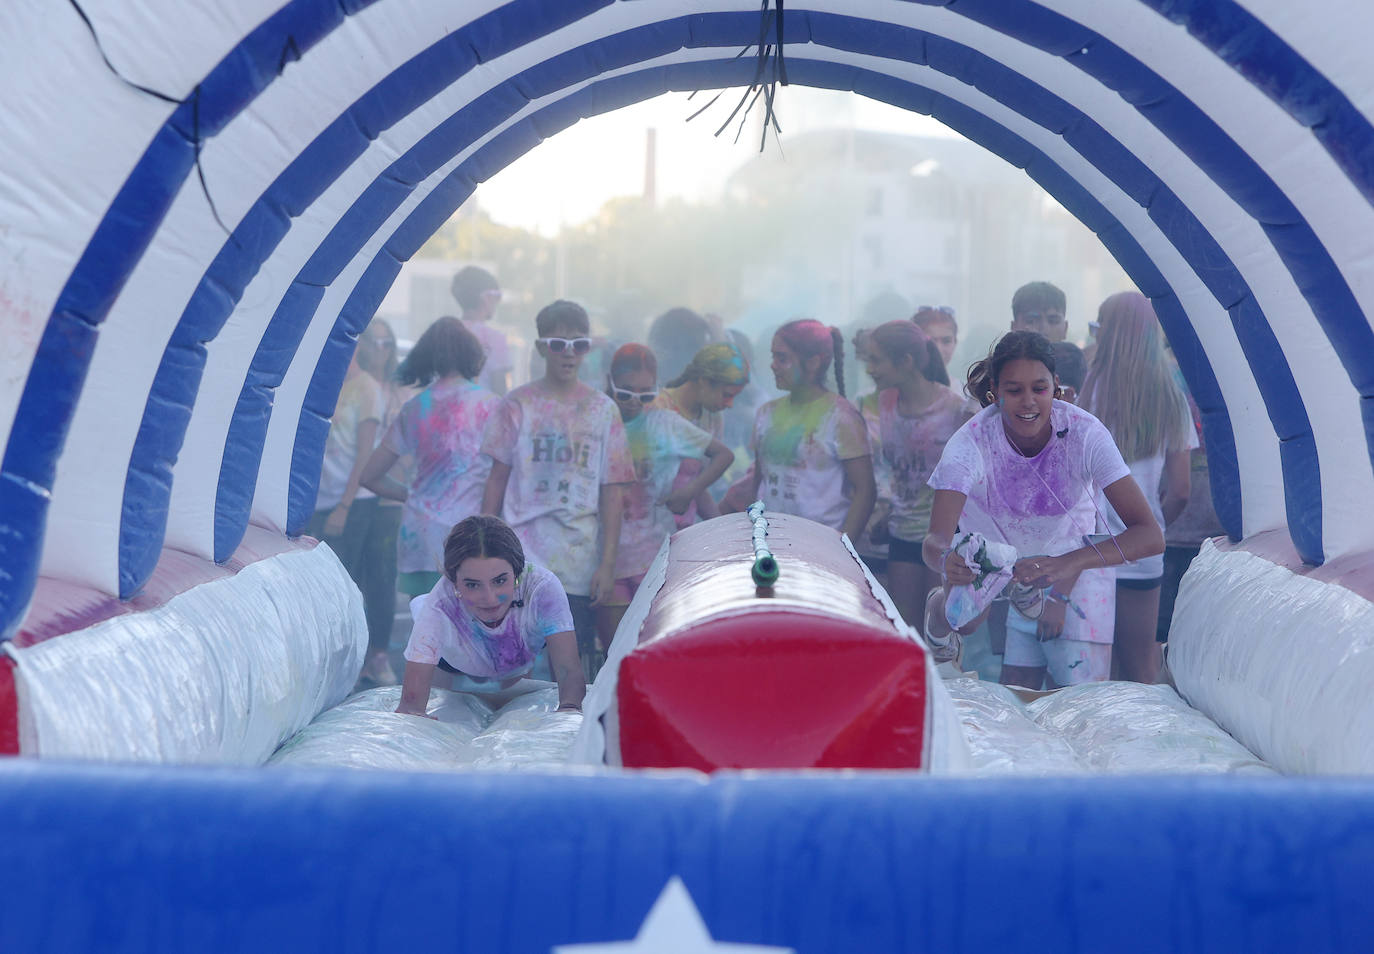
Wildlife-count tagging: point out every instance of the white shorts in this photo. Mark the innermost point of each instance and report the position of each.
(1068, 661)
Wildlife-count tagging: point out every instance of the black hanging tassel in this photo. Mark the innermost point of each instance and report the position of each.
(770, 72)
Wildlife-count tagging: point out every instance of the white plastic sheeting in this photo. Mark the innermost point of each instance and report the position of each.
(1284, 662)
(219, 674)
(366, 732)
(1002, 737)
(63, 89)
(1114, 728)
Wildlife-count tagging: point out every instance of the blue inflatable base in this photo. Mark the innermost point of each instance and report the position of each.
(154, 859)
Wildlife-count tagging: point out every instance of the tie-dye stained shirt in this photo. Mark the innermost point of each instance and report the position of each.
(799, 450)
(906, 450)
(560, 451)
(713, 422)
(659, 440)
(445, 628)
(360, 399)
(442, 429)
(1041, 504)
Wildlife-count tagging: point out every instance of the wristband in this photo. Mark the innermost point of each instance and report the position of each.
(568, 707)
(1056, 595)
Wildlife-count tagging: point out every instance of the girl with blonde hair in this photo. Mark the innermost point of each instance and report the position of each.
(1131, 389)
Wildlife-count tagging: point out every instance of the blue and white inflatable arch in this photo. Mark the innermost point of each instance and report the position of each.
(202, 204)
(167, 382)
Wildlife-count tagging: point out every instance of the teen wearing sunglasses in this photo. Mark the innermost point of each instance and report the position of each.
(660, 441)
(559, 467)
(566, 345)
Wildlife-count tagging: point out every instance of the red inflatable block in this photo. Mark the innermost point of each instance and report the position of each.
(808, 673)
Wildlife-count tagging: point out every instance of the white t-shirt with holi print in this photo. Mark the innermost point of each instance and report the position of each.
(800, 450)
(1042, 504)
(560, 450)
(906, 450)
(660, 440)
(496, 347)
(445, 628)
(442, 428)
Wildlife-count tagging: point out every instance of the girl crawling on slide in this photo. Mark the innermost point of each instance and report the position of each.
(487, 619)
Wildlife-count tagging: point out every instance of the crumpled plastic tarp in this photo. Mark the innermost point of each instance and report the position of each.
(1113, 728)
(1002, 737)
(221, 673)
(991, 564)
(1283, 661)
(1130, 728)
(366, 732)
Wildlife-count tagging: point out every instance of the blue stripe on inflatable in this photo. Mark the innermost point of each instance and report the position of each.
(58, 371)
(421, 224)
(234, 860)
(1037, 29)
(1283, 400)
(244, 73)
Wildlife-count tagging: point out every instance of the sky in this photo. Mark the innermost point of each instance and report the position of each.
(566, 179)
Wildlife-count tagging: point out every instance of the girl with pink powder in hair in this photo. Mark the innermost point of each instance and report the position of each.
(1022, 476)
(660, 440)
(812, 456)
(441, 428)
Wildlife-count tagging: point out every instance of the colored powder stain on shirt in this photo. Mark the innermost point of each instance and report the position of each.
(792, 427)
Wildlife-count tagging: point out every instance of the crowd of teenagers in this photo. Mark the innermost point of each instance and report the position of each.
(1031, 498)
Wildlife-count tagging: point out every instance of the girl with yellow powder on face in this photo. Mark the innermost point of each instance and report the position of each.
(704, 390)
(811, 451)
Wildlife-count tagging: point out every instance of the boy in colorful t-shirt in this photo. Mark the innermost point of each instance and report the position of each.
(560, 466)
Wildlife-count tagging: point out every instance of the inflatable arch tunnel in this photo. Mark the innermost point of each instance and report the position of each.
(201, 206)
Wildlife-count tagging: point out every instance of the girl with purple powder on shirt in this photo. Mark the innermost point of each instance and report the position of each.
(1024, 472)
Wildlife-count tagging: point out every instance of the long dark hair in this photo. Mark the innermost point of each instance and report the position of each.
(896, 338)
(482, 536)
(1013, 346)
(445, 348)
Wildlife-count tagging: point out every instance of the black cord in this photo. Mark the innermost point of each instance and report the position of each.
(770, 71)
(196, 141)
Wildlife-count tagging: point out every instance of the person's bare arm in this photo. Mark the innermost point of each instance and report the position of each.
(567, 670)
(859, 472)
(611, 504)
(1141, 538)
(945, 509)
(494, 491)
(338, 517)
(415, 688)
(718, 461)
(1178, 486)
(376, 475)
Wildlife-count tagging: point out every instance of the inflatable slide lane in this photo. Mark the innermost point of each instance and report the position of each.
(210, 664)
(759, 641)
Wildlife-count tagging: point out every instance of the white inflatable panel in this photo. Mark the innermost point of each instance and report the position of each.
(219, 674)
(1283, 662)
